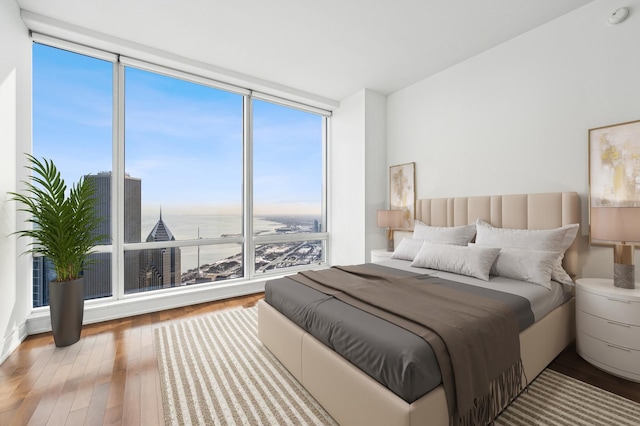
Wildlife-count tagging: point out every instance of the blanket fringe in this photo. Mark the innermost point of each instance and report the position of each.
(502, 391)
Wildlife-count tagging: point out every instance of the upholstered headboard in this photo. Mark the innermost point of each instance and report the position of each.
(524, 211)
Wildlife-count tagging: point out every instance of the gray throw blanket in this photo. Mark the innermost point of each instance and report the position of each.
(475, 339)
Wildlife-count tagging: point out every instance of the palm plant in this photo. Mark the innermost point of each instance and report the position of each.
(64, 227)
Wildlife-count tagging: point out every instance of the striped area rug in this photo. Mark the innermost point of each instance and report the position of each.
(215, 371)
(555, 399)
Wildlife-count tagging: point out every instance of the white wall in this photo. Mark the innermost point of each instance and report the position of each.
(15, 128)
(347, 181)
(515, 119)
(357, 185)
(375, 161)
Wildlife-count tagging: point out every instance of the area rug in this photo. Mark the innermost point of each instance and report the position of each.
(556, 399)
(215, 371)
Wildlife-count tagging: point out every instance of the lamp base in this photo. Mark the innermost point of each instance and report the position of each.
(624, 276)
(390, 240)
(390, 245)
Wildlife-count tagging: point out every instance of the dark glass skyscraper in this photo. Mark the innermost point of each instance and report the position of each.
(98, 275)
(43, 273)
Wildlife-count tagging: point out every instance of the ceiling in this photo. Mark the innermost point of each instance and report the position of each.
(328, 48)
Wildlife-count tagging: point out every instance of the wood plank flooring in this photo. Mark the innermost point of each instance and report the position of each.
(110, 376)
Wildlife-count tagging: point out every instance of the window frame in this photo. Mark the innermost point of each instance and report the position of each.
(248, 240)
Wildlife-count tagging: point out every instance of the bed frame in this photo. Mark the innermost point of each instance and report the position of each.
(354, 398)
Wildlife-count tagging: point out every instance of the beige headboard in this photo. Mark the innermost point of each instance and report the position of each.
(524, 211)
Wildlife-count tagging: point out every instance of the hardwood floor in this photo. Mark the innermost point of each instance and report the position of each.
(111, 376)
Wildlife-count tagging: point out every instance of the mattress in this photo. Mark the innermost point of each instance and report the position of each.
(397, 358)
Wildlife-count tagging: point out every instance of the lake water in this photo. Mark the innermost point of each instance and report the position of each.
(186, 227)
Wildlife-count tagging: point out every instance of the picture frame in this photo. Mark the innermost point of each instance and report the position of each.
(614, 168)
(614, 165)
(402, 194)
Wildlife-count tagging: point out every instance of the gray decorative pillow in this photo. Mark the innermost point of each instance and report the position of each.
(554, 240)
(473, 261)
(457, 235)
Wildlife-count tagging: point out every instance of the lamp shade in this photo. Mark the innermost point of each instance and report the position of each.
(618, 224)
(390, 218)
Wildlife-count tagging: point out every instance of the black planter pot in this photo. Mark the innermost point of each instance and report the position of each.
(66, 304)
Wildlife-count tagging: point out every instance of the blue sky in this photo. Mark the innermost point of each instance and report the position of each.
(183, 140)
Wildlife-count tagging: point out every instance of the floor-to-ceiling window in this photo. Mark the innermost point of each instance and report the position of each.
(198, 182)
(288, 183)
(73, 116)
(184, 149)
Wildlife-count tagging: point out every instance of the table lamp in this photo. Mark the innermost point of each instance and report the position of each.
(390, 219)
(620, 226)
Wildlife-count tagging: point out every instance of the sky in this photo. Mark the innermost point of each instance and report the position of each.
(183, 140)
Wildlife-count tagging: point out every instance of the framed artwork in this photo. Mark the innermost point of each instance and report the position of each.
(614, 184)
(402, 192)
(614, 165)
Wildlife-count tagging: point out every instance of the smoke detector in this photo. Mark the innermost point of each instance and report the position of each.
(618, 15)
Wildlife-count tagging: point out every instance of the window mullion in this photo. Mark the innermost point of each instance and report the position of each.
(325, 187)
(247, 211)
(117, 195)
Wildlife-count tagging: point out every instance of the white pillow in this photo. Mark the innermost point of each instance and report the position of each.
(555, 240)
(533, 266)
(474, 261)
(457, 235)
(407, 249)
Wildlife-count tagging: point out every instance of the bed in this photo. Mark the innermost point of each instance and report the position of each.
(353, 397)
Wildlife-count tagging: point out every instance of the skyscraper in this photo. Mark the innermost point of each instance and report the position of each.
(98, 275)
(160, 268)
(43, 273)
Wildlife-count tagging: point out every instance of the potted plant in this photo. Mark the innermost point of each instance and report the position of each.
(64, 226)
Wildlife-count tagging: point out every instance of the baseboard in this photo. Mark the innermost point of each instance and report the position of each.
(95, 311)
(12, 340)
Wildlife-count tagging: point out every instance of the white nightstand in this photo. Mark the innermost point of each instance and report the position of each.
(608, 326)
(379, 255)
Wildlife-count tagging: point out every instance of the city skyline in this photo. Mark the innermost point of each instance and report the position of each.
(170, 124)
(153, 269)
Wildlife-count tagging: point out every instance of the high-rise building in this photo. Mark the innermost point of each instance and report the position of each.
(43, 273)
(160, 268)
(98, 275)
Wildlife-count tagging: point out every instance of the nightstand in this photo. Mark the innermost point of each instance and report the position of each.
(379, 255)
(608, 326)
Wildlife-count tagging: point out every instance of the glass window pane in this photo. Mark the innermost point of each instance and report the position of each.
(287, 255)
(72, 125)
(176, 266)
(184, 148)
(287, 167)
(183, 144)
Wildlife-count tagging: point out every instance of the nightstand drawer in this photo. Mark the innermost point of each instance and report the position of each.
(617, 357)
(609, 331)
(611, 308)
